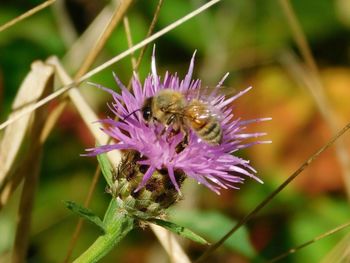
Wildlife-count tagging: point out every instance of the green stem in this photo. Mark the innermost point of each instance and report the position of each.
(116, 230)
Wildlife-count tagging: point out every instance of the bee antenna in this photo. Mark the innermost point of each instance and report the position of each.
(131, 113)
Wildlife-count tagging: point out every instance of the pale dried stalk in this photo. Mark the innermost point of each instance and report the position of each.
(26, 14)
(91, 57)
(170, 245)
(9, 187)
(316, 87)
(340, 253)
(129, 40)
(270, 197)
(295, 249)
(299, 35)
(86, 113)
(29, 170)
(149, 33)
(124, 54)
(345, 257)
(83, 45)
(52, 119)
(32, 107)
(30, 92)
(65, 26)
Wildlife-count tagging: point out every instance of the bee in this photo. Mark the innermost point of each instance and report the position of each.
(171, 107)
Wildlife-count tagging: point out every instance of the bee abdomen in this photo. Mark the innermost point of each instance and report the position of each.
(210, 132)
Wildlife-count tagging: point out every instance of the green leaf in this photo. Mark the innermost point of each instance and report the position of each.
(180, 230)
(85, 213)
(106, 168)
(213, 226)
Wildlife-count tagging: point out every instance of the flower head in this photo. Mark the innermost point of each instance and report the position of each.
(160, 147)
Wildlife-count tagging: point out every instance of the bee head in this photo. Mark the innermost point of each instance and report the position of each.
(147, 109)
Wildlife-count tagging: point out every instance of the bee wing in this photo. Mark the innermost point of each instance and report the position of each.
(208, 93)
(197, 110)
(201, 102)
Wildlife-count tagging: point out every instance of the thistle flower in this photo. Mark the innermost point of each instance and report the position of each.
(214, 166)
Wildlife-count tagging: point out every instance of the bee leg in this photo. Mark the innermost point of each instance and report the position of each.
(182, 145)
(164, 130)
(171, 119)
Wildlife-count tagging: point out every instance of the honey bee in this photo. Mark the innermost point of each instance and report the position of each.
(171, 107)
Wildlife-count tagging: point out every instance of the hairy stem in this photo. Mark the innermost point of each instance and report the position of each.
(116, 230)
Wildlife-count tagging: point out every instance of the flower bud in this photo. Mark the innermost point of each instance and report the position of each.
(158, 193)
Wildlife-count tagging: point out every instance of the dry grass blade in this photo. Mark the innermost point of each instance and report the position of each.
(149, 33)
(260, 206)
(26, 14)
(170, 244)
(32, 165)
(293, 250)
(117, 16)
(83, 45)
(33, 81)
(87, 114)
(345, 255)
(82, 48)
(129, 40)
(298, 35)
(27, 109)
(313, 82)
(340, 253)
(65, 25)
(29, 170)
(31, 91)
(146, 41)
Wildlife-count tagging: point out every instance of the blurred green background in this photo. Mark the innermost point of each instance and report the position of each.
(251, 40)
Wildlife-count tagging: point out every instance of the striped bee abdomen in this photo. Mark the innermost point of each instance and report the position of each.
(211, 131)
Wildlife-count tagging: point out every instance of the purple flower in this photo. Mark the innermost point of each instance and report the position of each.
(214, 166)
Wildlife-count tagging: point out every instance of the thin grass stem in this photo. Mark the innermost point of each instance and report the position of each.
(261, 205)
(149, 33)
(297, 248)
(26, 15)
